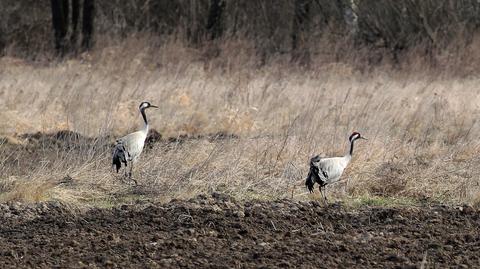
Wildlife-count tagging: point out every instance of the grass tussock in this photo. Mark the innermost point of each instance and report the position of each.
(422, 127)
(25, 190)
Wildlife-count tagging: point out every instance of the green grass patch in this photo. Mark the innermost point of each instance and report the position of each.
(112, 201)
(380, 201)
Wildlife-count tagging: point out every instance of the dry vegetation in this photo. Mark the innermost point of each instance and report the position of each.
(246, 116)
(422, 126)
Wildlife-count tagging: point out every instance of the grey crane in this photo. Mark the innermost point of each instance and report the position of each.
(128, 148)
(324, 171)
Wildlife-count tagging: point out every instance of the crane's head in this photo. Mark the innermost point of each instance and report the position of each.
(355, 136)
(145, 105)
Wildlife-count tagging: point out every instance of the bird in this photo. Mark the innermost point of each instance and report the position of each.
(324, 171)
(127, 149)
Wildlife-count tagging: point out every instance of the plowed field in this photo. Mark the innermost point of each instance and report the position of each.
(219, 232)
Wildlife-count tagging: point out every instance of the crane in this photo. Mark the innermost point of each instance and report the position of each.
(128, 148)
(324, 171)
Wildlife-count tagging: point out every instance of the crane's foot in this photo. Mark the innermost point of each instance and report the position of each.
(132, 179)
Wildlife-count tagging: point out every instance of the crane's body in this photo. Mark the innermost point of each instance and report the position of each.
(332, 168)
(324, 171)
(133, 144)
(128, 148)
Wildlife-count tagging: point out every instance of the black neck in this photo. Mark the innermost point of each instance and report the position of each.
(351, 146)
(142, 111)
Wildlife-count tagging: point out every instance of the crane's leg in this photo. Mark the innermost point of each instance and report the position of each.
(130, 171)
(130, 174)
(126, 170)
(324, 194)
(345, 189)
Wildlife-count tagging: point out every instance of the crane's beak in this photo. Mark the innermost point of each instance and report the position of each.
(363, 138)
(153, 106)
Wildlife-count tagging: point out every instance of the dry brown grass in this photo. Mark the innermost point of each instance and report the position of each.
(422, 126)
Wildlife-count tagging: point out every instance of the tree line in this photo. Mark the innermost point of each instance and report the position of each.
(274, 26)
(65, 20)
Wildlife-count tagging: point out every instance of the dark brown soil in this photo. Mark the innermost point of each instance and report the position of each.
(218, 232)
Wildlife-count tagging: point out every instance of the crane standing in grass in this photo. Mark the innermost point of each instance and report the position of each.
(128, 148)
(325, 171)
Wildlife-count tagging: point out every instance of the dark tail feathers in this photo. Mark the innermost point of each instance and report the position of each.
(119, 156)
(312, 174)
(309, 183)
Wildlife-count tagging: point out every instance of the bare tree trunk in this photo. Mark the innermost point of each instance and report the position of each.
(87, 23)
(60, 24)
(193, 28)
(2, 43)
(75, 17)
(214, 24)
(350, 14)
(301, 20)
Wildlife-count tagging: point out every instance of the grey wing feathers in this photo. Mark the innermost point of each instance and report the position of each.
(324, 173)
(119, 155)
